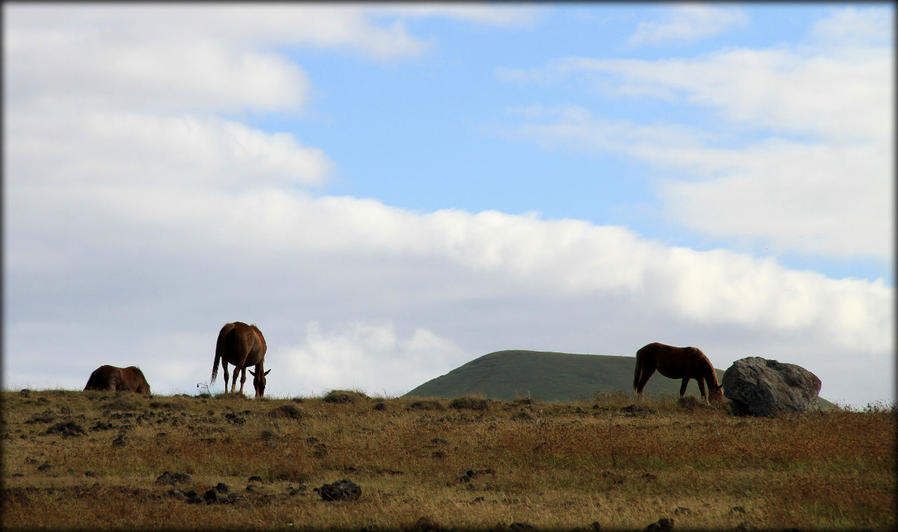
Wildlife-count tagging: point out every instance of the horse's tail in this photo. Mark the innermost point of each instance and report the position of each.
(219, 350)
(637, 374)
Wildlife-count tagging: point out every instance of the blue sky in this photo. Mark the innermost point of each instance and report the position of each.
(393, 190)
(432, 131)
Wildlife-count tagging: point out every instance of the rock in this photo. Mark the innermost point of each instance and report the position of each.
(665, 524)
(221, 487)
(342, 490)
(521, 526)
(66, 429)
(211, 496)
(425, 524)
(759, 387)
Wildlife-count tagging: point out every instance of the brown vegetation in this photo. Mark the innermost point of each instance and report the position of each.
(106, 460)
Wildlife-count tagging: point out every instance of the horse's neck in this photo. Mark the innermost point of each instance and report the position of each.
(711, 375)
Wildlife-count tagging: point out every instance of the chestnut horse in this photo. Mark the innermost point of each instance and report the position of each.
(676, 363)
(242, 346)
(119, 379)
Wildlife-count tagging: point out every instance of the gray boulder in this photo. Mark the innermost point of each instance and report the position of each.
(760, 387)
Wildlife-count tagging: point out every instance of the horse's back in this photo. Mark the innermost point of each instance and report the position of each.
(241, 342)
(676, 362)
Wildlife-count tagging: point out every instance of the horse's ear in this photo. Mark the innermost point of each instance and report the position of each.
(267, 372)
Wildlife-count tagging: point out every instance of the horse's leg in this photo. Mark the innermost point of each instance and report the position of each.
(242, 378)
(234, 379)
(701, 386)
(683, 387)
(224, 366)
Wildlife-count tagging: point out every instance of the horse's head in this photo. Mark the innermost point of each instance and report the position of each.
(715, 394)
(259, 382)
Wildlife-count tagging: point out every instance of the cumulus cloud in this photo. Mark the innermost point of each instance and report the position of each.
(812, 175)
(367, 357)
(686, 22)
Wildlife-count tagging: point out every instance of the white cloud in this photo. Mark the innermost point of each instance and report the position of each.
(686, 22)
(367, 357)
(828, 194)
(498, 15)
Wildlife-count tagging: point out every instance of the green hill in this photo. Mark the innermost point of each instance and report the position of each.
(545, 376)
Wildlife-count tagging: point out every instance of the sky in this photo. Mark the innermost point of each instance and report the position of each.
(392, 190)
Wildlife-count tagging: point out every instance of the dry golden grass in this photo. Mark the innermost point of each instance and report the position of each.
(552, 465)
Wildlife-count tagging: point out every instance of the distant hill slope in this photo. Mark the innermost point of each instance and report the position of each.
(546, 376)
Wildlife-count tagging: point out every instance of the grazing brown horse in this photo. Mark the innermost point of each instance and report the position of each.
(113, 378)
(242, 346)
(676, 363)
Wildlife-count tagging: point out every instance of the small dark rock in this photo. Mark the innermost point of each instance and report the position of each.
(119, 441)
(66, 429)
(665, 524)
(91, 474)
(25, 392)
(46, 417)
(210, 496)
(255, 478)
(521, 526)
(380, 406)
(295, 491)
(342, 490)
(426, 524)
(46, 466)
(221, 487)
(319, 450)
(235, 419)
(101, 425)
(682, 510)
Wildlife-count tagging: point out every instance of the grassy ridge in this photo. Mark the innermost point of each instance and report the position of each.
(91, 460)
(549, 376)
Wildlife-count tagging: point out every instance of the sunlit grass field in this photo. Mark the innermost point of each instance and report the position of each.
(93, 460)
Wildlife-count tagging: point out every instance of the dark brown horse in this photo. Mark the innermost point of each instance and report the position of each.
(676, 363)
(113, 378)
(241, 345)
